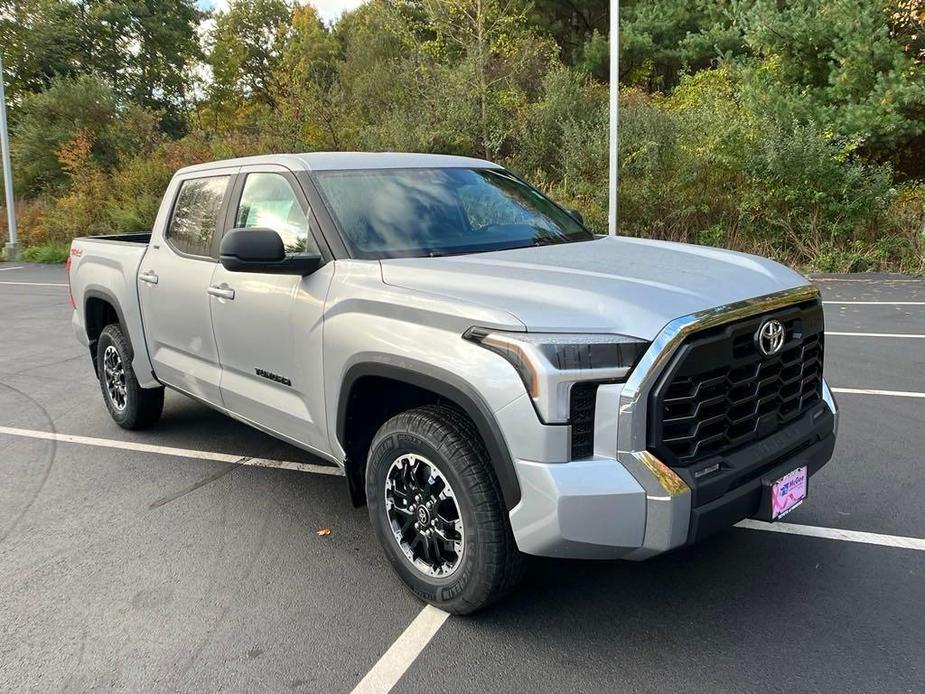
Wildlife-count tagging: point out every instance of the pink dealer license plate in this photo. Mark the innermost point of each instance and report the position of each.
(788, 492)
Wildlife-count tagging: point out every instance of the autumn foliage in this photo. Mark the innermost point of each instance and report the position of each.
(791, 129)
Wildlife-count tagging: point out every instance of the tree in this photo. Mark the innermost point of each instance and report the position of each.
(245, 52)
(379, 77)
(907, 25)
(835, 63)
(486, 49)
(154, 46)
(305, 85)
(662, 39)
(145, 49)
(571, 23)
(40, 41)
(88, 106)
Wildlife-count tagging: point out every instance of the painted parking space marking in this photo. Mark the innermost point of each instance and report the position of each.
(836, 534)
(870, 391)
(169, 450)
(866, 279)
(875, 303)
(906, 335)
(4, 269)
(35, 284)
(401, 654)
(393, 664)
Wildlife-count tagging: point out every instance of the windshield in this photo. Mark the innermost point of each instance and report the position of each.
(400, 213)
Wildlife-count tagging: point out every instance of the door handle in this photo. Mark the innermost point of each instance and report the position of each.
(222, 291)
(148, 276)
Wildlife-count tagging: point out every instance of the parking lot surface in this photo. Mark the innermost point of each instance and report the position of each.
(129, 569)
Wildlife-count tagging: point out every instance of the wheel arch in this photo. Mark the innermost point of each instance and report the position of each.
(99, 309)
(442, 385)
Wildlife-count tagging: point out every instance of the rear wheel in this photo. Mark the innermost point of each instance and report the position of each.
(436, 507)
(130, 405)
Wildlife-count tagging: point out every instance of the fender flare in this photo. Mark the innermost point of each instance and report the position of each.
(109, 298)
(451, 387)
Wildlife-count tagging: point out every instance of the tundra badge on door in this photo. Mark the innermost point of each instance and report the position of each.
(269, 375)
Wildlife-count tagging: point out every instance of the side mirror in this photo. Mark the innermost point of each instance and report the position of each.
(262, 250)
(578, 216)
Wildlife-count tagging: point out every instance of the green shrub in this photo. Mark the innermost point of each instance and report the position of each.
(901, 243)
(803, 197)
(700, 166)
(47, 253)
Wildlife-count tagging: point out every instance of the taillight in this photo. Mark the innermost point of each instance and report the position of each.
(70, 296)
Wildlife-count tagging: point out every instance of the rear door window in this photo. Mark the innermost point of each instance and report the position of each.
(195, 215)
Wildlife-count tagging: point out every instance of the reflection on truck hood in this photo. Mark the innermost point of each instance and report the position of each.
(619, 285)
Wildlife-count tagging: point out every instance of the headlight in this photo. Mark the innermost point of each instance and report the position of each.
(549, 363)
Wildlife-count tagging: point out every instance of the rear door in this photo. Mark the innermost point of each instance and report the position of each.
(173, 283)
(268, 327)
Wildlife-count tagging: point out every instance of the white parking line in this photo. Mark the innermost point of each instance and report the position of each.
(169, 450)
(4, 269)
(868, 280)
(36, 284)
(876, 303)
(390, 668)
(907, 335)
(868, 391)
(836, 534)
(393, 664)
(401, 654)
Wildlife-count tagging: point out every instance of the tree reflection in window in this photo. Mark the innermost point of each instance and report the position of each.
(195, 213)
(269, 202)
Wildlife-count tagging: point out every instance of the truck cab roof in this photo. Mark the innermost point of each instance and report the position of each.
(340, 161)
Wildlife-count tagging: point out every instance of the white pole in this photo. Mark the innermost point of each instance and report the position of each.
(614, 111)
(12, 247)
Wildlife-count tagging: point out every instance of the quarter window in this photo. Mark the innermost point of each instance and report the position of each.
(195, 215)
(269, 202)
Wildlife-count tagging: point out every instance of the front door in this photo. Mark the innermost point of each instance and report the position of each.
(173, 282)
(268, 327)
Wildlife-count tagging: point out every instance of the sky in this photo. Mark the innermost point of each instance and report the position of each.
(332, 9)
(329, 10)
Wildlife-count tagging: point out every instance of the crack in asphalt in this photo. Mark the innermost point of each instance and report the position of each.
(231, 467)
(55, 362)
(45, 473)
(183, 674)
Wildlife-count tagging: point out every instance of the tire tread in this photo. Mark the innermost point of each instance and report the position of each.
(145, 404)
(455, 436)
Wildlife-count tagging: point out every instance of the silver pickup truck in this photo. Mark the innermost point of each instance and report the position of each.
(493, 380)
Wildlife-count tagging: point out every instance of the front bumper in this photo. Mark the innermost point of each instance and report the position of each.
(624, 502)
(719, 503)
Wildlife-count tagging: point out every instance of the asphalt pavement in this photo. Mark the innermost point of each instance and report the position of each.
(126, 569)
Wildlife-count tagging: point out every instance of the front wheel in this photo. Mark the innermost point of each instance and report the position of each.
(436, 507)
(130, 405)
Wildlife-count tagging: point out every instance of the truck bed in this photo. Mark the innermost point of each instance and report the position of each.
(105, 269)
(142, 237)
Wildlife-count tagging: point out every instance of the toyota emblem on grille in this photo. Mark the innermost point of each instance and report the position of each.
(770, 337)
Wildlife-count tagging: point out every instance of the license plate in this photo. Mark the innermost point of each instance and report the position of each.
(788, 492)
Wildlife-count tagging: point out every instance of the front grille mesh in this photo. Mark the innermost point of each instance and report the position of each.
(583, 397)
(721, 393)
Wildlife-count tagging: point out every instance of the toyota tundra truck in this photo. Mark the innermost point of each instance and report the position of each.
(492, 379)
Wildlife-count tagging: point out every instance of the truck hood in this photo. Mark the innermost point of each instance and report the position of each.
(615, 284)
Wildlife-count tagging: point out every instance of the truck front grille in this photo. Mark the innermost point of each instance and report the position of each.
(720, 392)
(582, 402)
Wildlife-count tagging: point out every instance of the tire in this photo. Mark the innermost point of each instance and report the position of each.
(130, 405)
(441, 444)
